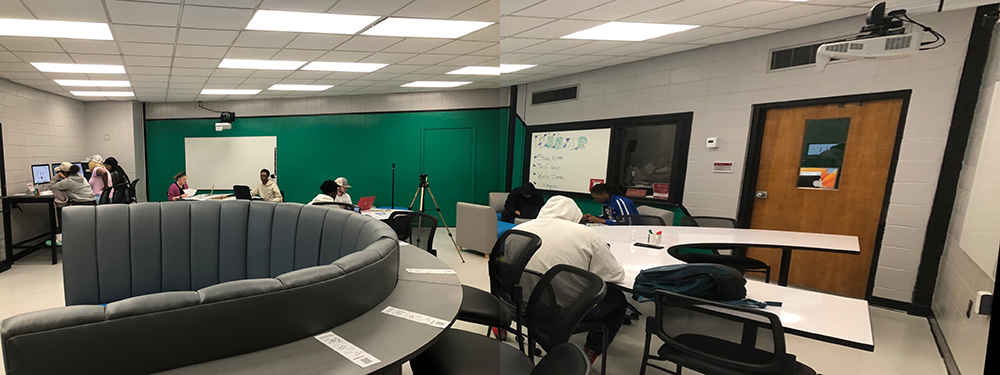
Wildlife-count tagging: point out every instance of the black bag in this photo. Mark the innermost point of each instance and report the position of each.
(709, 281)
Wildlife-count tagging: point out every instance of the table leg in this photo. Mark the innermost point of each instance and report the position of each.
(786, 260)
(52, 230)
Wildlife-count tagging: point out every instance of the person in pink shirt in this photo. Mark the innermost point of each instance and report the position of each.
(98, 176)
(176, 191)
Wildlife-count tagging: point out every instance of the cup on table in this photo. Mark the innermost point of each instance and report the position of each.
(655, 239)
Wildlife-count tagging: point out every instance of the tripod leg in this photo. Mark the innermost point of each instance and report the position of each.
(436, 207)
(414, 200)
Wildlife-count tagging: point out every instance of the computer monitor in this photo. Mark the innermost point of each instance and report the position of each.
(41, 174)
(80, 165)
(56, 165)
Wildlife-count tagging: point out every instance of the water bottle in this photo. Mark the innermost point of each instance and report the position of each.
(633, 235)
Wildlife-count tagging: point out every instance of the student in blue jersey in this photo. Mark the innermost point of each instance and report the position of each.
(614, 205)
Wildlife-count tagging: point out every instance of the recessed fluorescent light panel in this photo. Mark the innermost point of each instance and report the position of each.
(628, 31)
(300, 87)
(228, 92)
(490, 70)
(260, 64)
(435, 84)
(102, 93)
(343, 66)
(302, 22)
(91, 83)
(424, 28)
(79, 68)
(55, 29)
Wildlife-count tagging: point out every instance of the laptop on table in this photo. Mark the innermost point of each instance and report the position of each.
(365, 204)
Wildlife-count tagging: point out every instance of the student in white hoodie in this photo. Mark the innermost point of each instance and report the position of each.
(328, 192)
(268, 189)
(564, 241)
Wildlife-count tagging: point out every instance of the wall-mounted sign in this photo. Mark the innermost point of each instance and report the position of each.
(722, 167)
(595, 181)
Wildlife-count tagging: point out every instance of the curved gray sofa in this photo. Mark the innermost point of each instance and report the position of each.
(192, 282)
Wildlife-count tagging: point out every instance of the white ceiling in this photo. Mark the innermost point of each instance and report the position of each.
(171, 48)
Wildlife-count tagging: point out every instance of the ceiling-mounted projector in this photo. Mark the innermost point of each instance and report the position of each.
(884, 37)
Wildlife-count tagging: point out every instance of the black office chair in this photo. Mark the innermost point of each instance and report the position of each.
(741, 263)
(404, 223)
(105, 196)
(131, 192)
(563, 296)
(346, 206)
(716, 338)
(640, 220)
(504, 301)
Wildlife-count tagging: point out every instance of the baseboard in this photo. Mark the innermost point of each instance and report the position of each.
(943, 348)
(908, 308)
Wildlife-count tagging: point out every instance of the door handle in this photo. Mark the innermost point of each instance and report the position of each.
(760, 194)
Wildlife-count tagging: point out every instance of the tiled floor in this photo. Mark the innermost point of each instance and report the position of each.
(903, 343)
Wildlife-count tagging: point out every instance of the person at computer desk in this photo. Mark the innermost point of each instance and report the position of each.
(614, 205)
(176, 191)
(522, 202)
(342, 196)
(119, 181)
(98, 176)
(268, 188)
(328, 193)
(70, 182)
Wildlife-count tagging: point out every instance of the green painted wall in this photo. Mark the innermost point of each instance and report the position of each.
(518, 175)
(360, 147)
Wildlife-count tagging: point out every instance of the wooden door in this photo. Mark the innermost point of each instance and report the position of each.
(851, 203)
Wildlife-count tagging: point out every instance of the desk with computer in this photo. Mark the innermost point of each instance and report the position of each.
(37, 193)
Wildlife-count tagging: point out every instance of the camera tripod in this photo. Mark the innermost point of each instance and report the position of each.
(425, 187)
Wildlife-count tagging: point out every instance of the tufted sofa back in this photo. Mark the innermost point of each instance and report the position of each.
(113, 252)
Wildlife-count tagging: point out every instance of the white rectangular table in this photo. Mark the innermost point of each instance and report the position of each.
(380, 213)
(825, 317)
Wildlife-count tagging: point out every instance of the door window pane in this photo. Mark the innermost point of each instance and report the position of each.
(823, 146)
(647, 156)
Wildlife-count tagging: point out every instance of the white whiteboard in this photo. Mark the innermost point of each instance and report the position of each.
(226, 161)
(567, 160)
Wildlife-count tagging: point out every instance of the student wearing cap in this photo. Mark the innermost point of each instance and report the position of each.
(342, 196)
(176, 191)
(72, 183)
(98, 176)
(328, 191)
(268, 188)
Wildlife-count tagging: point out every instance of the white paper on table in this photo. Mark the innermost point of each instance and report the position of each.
(433, 271)
(346, 349)
(415, 317)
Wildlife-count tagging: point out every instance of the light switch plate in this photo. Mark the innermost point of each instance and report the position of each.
(712, 142)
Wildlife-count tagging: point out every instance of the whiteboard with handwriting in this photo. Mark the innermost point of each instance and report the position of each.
(568, 160)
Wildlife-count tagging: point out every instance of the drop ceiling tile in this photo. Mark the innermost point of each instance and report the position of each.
(344, 56)
(271, 74)
(368, 43)
(417, 45)
(233, 73)
(680, 10)
(188, 79)
(207, 37)
(582, 60)
(387, 58)
(514, 58)
(552, 46)
(558, 29)
(147, 70)
(619, 9)
(493, 51)
(380, 76)
(149, 14)
(75, 10)
(780, 15)
(110, 77)
(546, 59)
(251, 53)
(470, 60)
(511, 25)
(128, 33)
(668, 50)
(106, 47)
(147, 49)
(595, 47)
(460, 47)
(273, 39)
(694, 34)
(14, 9)
(195, 86)
(314, 75)
(315, 6)
(215, 18)
(200, 51)
(63, 75)
(147, 78)
(817, 18)
(147, 60)
(741, 10)
(17, 76)
(197, 72)
(487, 34)
(318, 41)
(343, 75)
(186, 62)
(487, 12)
(297, 81)
(18, 43)
(368, 7)
(250, 4)
(438, 9)
(297, 55)
(514, 44)
(53, 57)
(742, 34)
(83, 58)
(358, 83)
(225, 80)
(402, 69)
(8, 57)
(559, 8)
(428, 59)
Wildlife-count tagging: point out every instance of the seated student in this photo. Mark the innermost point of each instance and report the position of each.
(614, 205)
(564, 241)
(522, 202)
(176, 191)
(268, 188)
(119, 182)
(342, 196)
(98, 176)
(71, 183)
(328, 193)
